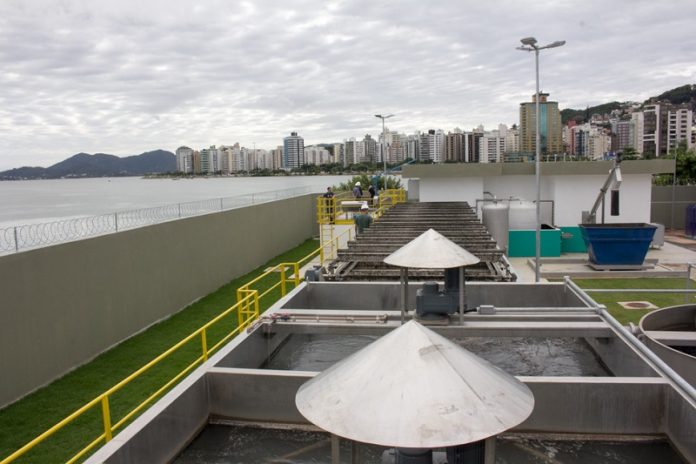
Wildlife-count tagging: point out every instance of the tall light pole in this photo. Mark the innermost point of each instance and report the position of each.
(530, 45)
(384, 140)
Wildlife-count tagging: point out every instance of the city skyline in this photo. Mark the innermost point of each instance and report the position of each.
(123, 78)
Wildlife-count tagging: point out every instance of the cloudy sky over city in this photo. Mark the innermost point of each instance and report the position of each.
(124, 77)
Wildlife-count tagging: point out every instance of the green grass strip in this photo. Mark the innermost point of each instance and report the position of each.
(27, 418)
(623, 315)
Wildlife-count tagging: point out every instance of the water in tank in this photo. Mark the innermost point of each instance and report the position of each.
(522, 215)
(495, 217)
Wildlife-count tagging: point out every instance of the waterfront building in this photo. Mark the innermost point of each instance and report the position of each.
(512, 140)
(472, 146)
(339, 155)
(454, 146)
(277, 158)
(549, 126)
(315, 154)
(349, 150)
(492, 145)
(293, 151)
(184, 159)
(197, 162)
(371, 151)
(210, 160)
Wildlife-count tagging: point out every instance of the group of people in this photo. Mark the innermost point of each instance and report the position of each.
(363, 220)
(373, 190)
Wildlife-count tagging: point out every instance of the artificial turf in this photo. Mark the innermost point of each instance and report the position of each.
(623, 315)
(25, 419)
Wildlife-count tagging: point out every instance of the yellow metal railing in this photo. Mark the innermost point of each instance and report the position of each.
(339, 208)
(247, 308)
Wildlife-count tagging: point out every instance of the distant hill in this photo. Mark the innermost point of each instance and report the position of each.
(98, 165)
(679, 95)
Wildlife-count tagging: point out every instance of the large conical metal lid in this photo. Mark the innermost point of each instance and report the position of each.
(413, 388)
(431, 250)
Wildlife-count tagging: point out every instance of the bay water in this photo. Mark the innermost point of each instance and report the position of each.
(37, 201)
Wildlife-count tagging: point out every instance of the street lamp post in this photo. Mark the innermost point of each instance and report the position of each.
(384, 140)
(530, 45)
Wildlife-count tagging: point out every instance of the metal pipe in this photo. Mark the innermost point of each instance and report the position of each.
(404, 294)
(688, 282)
(462, 297)
(640, 290)
(335, 450)
(537, 255)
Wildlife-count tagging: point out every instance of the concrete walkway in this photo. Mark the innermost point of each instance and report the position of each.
(671, 260)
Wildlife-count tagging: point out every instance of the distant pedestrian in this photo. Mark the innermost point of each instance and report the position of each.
(357, 191)
(362, 220)
(371, 190)
(329, 204)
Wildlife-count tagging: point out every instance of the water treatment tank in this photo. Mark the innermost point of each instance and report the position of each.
(522, 215)
(496, 219)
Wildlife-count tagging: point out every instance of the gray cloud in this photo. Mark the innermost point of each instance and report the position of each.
(128, 76)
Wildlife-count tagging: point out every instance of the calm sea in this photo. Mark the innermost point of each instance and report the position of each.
(33, 201)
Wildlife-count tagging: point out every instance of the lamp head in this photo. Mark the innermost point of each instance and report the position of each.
(531, 41)
(558, 43)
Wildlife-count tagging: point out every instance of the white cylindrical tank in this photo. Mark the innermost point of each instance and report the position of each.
(522, 215)
(494, 216)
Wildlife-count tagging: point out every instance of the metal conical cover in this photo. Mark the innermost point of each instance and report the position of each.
(431, 250)
(414, 388)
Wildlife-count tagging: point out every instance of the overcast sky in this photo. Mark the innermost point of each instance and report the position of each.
(124, 77)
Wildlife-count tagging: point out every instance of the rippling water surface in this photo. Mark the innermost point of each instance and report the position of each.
(33, 201)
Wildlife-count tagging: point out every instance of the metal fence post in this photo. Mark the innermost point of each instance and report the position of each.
(179, 205)
(220, 204)
(252, 198)
(116, 221)
(16, 240)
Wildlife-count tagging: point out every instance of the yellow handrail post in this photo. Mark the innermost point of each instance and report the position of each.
(321, 254)
(241, 305)
(282, 279)
(257, 309)
(296, 270)
(106, 416)
(204, 344)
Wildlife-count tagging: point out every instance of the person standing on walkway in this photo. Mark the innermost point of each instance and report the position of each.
(357, 191)
(329, 204)
(362, 220)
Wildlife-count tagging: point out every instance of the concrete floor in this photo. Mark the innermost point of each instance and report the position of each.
(671, 259)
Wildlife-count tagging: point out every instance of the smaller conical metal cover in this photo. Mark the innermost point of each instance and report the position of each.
(431, 250)
(414, 388)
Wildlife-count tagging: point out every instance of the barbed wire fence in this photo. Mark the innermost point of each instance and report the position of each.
(29, 236)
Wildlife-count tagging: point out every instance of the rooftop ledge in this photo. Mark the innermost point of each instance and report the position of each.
(559, 168)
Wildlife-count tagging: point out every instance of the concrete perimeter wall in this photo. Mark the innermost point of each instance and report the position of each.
(61, 306)
(661, 204)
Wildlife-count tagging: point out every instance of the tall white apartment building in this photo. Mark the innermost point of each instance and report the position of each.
(184, 159)
(679, 124)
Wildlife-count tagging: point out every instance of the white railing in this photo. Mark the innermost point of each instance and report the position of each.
(24, 237)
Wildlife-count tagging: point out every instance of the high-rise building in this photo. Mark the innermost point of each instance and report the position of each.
(454, 146)
(680, 120)
(371, 154)
(210, 160)
(293, 151)
(184, 159)
(549, 126)
(349, 150)
(492, 145)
